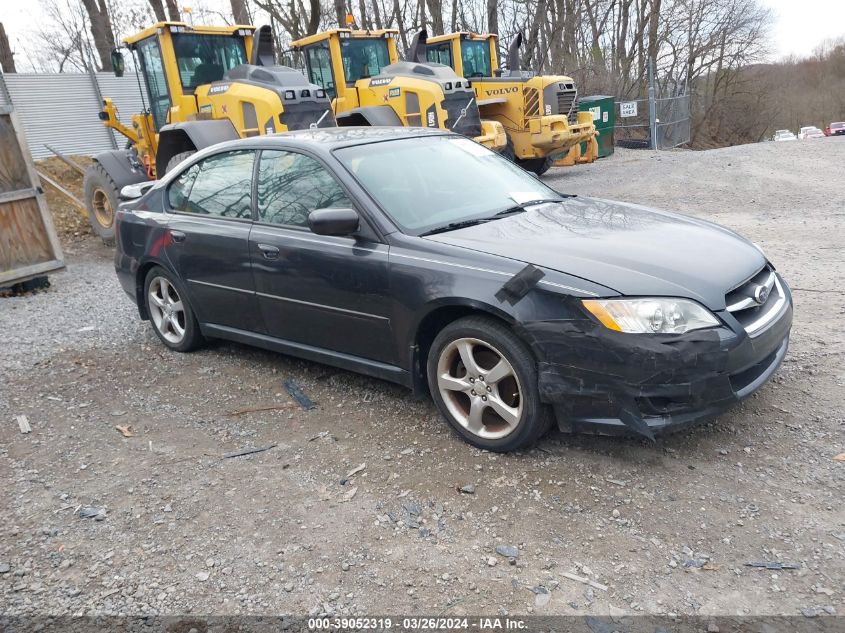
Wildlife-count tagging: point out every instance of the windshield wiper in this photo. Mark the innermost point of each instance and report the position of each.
(520, 208)
(453, 226)
(517, 208)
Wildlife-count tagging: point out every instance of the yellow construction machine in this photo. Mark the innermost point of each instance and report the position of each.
(201, 85)
(539, 113)
(368, 84)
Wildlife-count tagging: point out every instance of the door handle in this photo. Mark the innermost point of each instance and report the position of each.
(269, 252)
(178, 236)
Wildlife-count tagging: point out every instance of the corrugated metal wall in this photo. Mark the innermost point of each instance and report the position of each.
(61, 110)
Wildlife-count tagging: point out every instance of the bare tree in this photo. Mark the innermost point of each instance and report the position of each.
(240, 12)
(172, 11)
(7, 57)
(101, 30)
(492, 16)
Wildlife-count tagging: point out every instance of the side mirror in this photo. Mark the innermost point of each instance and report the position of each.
(117, 63)
(333, 221)
(133, 192)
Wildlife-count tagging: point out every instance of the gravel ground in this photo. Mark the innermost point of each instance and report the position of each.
(667, 527)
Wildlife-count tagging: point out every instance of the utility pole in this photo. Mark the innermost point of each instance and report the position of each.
(652, 105)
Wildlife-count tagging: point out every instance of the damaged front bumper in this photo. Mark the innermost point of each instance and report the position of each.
(612, 383)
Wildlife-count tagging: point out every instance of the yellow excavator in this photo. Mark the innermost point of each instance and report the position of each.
(539, 113)
(361, 72)
(201, 85)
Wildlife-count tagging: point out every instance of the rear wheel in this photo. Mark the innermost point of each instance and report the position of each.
(483, 380)
(101, 200)
(171, 314)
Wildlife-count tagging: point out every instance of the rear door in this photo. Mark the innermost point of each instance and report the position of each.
(323, 291)
(211, 217)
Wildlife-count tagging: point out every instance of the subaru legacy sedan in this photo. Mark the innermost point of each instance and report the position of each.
(420, 257)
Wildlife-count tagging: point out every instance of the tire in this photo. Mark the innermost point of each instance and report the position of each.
(538, 165)
(471, 401)
(178, 159)
(101, 200)
(508, 152)
(177, 329)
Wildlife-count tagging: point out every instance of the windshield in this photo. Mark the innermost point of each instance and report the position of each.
(205, 58)
(428, 183)
(363, 57)
(476, 58)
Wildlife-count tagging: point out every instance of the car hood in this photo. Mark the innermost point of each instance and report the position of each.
(626, 247)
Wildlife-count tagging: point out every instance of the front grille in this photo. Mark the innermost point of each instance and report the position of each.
(462, 114)
(301, 116)
(567, 103)
(757, 301)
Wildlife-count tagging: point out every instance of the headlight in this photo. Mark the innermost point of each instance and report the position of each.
(650, 316)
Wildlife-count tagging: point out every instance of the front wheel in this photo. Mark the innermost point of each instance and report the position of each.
(537, 165)
(101, 200)
(483, 380)
(170, 313)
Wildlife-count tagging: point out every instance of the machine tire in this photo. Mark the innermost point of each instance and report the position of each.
(178, 158)
(508, 152)
(537, 165)
(101, 200)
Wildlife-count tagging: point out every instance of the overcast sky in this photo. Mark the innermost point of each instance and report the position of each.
(800, 25)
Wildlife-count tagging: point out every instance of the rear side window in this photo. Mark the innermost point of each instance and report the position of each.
(290, 186)
(218, 186)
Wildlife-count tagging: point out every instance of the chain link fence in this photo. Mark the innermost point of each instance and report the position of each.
(661, 124)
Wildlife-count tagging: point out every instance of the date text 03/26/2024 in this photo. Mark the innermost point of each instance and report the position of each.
(416, 624)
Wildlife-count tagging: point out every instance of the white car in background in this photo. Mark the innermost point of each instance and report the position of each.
(784, 135)
(810, 131)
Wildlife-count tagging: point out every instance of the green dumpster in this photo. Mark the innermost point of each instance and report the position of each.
(604, 116)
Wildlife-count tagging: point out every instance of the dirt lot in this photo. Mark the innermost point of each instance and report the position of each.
(668, 527)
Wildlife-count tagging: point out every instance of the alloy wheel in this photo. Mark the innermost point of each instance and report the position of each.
(480, 388)
(166, 310)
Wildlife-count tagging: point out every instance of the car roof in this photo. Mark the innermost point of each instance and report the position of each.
(330, 138)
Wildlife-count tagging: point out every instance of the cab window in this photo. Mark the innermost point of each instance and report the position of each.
(440, 53)
(219, 186)
(291, 185)
(363, 57)
(476, 58)
(319, 66)
(152, 68)
(203, 59)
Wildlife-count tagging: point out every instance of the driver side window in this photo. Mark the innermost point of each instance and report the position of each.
(291, 186)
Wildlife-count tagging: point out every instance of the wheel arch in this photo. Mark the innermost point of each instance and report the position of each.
(439, 314)
(369, 115)
(122, 166)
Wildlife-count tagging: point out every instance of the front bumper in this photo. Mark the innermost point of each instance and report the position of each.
(610, 383)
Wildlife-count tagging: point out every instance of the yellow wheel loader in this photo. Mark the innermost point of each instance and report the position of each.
(201, 85)
(539, 113)
(369, 85)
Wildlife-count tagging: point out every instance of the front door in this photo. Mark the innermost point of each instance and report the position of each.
(211, 216)
(323, 291)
